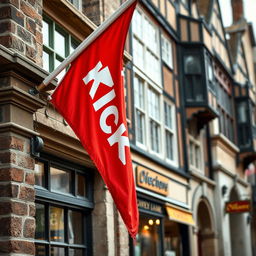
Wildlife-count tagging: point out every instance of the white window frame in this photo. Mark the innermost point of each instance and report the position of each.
(196, 143)
(150, 49)
(167, 54)
(173, 131)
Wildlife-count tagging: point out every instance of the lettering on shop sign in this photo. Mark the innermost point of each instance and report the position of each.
(149, 206)
(238, 206)
(152, 180)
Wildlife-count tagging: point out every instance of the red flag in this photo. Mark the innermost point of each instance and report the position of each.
(91, 99)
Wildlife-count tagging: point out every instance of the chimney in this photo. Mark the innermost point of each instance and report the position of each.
(237, 10)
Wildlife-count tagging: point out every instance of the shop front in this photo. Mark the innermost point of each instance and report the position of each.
(163, 228)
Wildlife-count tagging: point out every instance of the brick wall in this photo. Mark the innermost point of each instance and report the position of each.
(17, 195)
(21, 27)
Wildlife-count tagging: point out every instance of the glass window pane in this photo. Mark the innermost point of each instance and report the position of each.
(60, 180)
(40, 222)
(76, 252)
(46, 61)
(57, 224)
(59, 43)
(40, 250)
(39, 174)
(57, 251)
(75, 227)
(81, 185)
(148, 237)
(46, 33)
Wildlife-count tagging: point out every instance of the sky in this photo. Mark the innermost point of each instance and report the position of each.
(249, 10)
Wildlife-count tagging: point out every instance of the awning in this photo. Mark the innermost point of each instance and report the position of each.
(180, 215)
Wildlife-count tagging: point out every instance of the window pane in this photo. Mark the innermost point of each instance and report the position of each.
(81, 185)
(46, 61)
(148, 238)
(60, 180)
(76, 252)
(40, 222)
(59, 43)
(192, 65)
(169, 145)
(39, 174)
(140, 126)
(40, 250)
(155, 136)
(57, 224)
(75, 227)
(46, 36)
(57, 251)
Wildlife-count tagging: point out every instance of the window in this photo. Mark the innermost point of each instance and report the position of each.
(139, 110)
(146, 47)
(154, 119)
(63, 205)
(57, 45)
(167, 52)
(153, 132)
(195, 154)
(170, 135)
(225, 110)
(193, 78)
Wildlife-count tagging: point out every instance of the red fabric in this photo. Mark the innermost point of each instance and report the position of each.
(74, 99)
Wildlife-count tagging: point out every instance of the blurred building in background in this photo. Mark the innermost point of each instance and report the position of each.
(190, 99)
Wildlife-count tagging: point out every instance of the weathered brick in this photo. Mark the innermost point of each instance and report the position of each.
(29, 228)
(24, 34)
(9, 190)
(39, 37)
(7, 157)
(27, 193)
(29, 11)
(11, 226)
(16, 246)
(13, 2)
(12, 142)
(10, 12)
(32, 210)
(25, 161)
(7, 26)
(31, 26)
(12, 42)
(30, 178)
(30, 52)
(13, 207)
(11, 174)
(32, 2)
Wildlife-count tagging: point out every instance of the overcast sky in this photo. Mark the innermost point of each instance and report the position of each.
(249, 9)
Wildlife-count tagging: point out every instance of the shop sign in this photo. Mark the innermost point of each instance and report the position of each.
(146, 205)
(151, 180)
(238, 206)
(179, 215)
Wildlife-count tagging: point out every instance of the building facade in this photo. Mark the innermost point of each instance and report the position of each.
(190, 103)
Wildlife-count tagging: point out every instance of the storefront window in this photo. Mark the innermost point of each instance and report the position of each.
(63, 204)
(148, 239)
(172, 239)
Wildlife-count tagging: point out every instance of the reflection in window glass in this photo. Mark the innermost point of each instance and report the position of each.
(39, 174)
(46, 33)
(62, 73)
(76, 252)
(75, 225)
(57, 224)
(40, 250)
(59, 43)
(40, 222)
(60, 180)
(148, 237)
(172, 238)
(81, 188)
(46, 61)
(57, 251)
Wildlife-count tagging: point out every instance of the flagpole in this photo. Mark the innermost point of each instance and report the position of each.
(96, 33)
